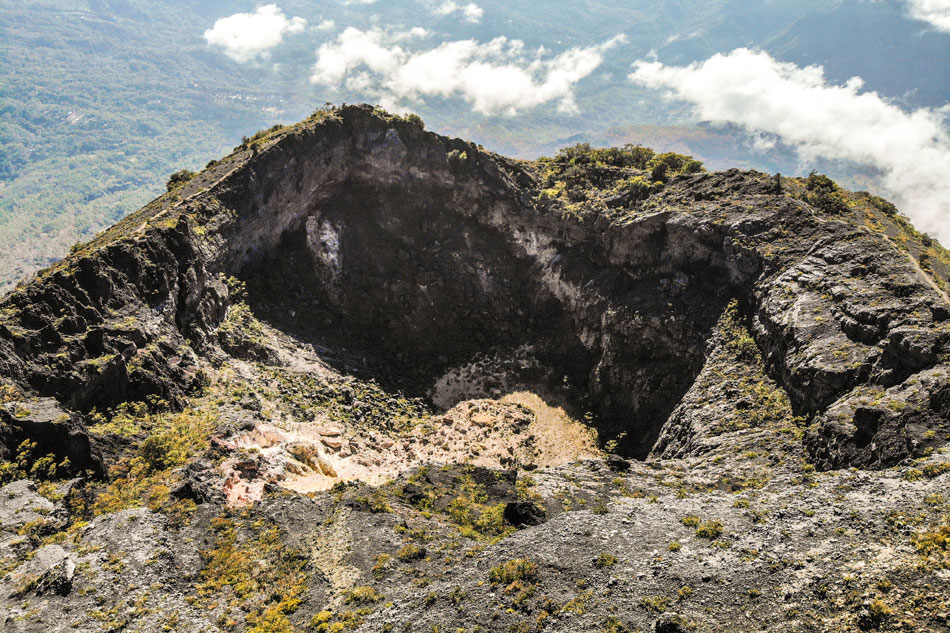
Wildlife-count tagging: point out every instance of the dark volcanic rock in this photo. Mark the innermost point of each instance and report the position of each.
(260, 369)
(670, 623)
(54, 431)
(319, 221)
(618, 463)
(51, 570)
(521, 513)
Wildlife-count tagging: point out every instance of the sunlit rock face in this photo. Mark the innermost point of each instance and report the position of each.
(359, 376)
(360, 232)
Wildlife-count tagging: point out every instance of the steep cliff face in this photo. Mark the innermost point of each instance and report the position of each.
(352, 298)
(355, 228)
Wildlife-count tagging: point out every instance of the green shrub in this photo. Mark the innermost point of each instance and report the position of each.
(820, 182)
(518, 569)
(580, 154)
(822, 193)
(605, 560)
(178, 179)
(884, 207)
(26, 464)
(655, 603)
(415, 120)
(237, 289)
(934, 544)
(637, 156)
(637, 187)
(613, 625)
(664, 166)
(362, 595)
(932, 471)
(156, 452)
(709, 529)
(634, 156)
(410, 552)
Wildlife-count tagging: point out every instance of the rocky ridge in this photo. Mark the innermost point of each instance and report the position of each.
(352, 376)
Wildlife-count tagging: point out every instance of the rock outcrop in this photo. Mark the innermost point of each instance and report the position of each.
(306, 324)
(354, 228)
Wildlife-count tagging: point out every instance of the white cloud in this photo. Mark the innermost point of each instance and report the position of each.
(326, 25)
(446, 8)
(499, 76)
(937, 12)
(749, 88)
(763, 141)
(413, 33)
(244, 36)
(354, 48)
(471, 12)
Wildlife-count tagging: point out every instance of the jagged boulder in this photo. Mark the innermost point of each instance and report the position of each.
(53, 430)
(50, 570)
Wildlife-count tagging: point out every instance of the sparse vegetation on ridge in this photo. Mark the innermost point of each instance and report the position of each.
(586, 181)
(288, 455)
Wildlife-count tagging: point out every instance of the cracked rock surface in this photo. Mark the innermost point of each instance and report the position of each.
(357, 376)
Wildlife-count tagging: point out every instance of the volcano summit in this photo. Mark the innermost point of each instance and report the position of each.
(357, 376)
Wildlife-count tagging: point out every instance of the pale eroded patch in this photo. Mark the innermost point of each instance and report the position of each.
(518, 430)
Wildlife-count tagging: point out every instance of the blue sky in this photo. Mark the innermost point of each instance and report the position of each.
(458, 51)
